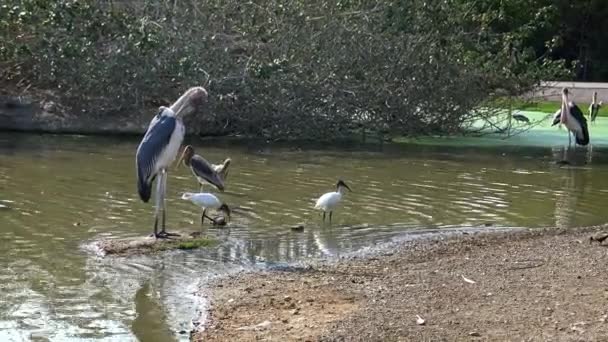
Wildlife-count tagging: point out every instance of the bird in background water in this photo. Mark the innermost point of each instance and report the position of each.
(594, 107)
(207, 201)
(159, 148)
(329, 202)
(572, 117)
(205, 172)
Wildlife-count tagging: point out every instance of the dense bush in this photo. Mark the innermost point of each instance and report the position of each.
(278, 68)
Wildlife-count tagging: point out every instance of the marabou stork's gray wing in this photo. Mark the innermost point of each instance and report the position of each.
(203, 169)
(576, 112)
(156, 139)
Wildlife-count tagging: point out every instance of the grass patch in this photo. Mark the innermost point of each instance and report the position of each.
(553, 106)
(198, 243)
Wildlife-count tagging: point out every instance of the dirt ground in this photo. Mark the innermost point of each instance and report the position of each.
(542, 285)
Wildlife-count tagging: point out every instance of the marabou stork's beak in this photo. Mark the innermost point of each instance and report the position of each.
(188, 102)
(180, 159)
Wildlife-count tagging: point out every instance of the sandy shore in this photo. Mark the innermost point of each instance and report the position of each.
(520, 286)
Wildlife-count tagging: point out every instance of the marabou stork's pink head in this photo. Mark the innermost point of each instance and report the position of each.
(190, 101)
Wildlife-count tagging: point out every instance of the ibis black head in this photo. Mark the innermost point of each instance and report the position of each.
(225, 209)
(565, 91)
(341, 183)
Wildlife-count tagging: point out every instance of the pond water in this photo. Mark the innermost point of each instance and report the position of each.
(60, 193)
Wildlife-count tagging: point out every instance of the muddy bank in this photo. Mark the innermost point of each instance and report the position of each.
(522, 285)
(148, 244)
(45, 114)
(30, 114)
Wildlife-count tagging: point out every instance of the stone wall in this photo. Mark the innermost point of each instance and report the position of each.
(581, 91)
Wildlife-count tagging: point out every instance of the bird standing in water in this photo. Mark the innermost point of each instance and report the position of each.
(204, 171)
(594, 107)
(158, 150)
(331, 200)
(572, 117)
(207, 201)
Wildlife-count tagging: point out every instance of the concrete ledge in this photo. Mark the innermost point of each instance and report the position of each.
(582, 92)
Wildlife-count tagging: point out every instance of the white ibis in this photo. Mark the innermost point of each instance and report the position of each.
(572, 117)
(207, 201)
(329, 201)
(204, 171)
(160, 146)
(594, 107)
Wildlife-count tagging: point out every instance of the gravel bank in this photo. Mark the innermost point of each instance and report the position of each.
(526, 285)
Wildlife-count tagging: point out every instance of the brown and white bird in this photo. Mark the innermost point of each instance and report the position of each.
(205, 172)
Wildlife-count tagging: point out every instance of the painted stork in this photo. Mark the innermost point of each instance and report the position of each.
(204, 171)
(594, 107)
(329, 201)
(160, 146)
(207, 201)
(572, 117)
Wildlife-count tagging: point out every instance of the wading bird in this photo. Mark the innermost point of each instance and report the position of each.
(204, 171)
(521, 117)
(207, 201)
(329, 201)
(571, 116)
(160, 146)
(594, 107)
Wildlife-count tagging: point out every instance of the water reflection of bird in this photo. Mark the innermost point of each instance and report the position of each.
(572, 117)
(573, 187)
(594, 107)
(160, 146)
(331, 200)
(204, 171)
(207, 201)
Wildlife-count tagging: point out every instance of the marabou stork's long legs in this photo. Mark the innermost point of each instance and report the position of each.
(157, 206)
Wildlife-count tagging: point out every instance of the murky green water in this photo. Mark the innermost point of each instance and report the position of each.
(62, 193)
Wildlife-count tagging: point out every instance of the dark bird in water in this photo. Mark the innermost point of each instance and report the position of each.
(521, 118)
(594, 107)
(298, 228)
(159, 148)
(572, 117)
(599, 238)
(204, 171)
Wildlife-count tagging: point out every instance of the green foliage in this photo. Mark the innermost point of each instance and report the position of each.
(281, 69)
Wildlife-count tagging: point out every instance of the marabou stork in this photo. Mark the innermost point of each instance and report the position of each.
(204, 171)
(572, 117)
(160, 146)
(207, 201)
(329, 201)
(594, 107)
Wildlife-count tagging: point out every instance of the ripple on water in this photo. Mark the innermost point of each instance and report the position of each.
(45, 278)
